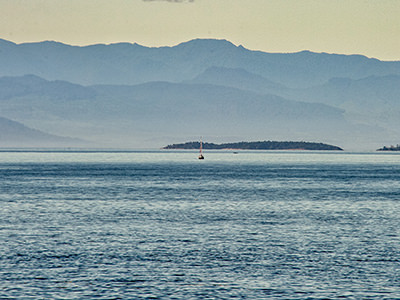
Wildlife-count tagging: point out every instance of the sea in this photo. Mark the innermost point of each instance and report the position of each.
(166, 225)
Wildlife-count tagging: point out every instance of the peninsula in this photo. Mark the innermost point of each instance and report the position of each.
(259, 145)
(391, 148)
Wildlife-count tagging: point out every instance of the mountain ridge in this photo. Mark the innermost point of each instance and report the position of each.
(126, 63)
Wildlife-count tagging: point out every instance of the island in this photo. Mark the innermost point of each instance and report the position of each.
(259, 145)
(391, 148)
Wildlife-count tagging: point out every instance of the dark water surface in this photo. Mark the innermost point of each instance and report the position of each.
(285, 225)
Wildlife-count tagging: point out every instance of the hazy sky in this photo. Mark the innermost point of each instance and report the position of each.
(368, 27)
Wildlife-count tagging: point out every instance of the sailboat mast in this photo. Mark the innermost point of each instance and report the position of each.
(201, 150)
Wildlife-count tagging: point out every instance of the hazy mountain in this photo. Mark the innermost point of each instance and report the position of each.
(132, 64)
(15, 134)
(135, 115)
(130, 95)
(34, 85)
(373, 92)
(237, 78)
(370, 100)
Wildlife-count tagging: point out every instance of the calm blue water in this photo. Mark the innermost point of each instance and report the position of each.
(164, 225)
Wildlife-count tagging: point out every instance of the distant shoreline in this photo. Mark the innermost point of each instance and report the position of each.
(259, 145)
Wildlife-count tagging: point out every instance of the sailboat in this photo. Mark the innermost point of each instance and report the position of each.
(201, 156)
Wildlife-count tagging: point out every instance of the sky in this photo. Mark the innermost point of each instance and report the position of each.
(367, 27)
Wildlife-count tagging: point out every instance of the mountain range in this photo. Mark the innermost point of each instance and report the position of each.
(127, 95)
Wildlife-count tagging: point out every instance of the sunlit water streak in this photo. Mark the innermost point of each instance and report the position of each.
(164, 225)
